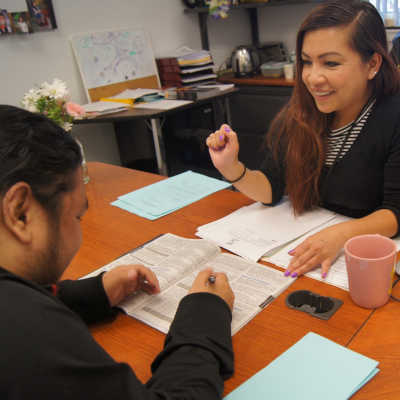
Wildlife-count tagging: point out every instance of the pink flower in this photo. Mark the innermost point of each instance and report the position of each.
(75, 110)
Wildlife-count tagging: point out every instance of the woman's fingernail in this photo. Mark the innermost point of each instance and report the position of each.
(287, 272)
(227, 129)
(221, 137)
(324, 275)
(294, 275)
(291, 252)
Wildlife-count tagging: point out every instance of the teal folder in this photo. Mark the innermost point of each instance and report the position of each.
(314, 368)
(161, 198)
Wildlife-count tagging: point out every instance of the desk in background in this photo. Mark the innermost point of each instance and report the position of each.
(155, 117)
(109, 232)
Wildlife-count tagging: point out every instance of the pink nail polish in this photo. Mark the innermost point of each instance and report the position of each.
(294, 275)
(227, 129)
(291, 252)
(287, 273)
(221, 137)
(324, 275)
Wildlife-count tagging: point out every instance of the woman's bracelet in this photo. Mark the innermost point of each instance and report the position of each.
(240, 177)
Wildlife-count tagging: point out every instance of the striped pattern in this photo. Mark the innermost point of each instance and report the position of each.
(339, 141)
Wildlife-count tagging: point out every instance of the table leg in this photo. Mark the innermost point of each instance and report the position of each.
(159, 146)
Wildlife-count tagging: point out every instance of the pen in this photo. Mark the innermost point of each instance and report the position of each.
(266, 301)
(211, 279)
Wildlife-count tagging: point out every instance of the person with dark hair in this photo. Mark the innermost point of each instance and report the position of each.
(47, 349)
(336, 144)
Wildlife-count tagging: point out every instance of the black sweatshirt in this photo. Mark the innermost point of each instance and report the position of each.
(367, 178)
(47, 351)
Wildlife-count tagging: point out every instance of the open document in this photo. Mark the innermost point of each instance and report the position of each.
(256, 229)
(176, 262)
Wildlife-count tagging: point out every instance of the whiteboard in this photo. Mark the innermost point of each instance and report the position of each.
(111, 57)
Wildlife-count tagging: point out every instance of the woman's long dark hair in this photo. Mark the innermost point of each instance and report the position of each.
(300, 125)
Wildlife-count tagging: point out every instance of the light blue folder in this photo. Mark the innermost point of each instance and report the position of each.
(161, 198)
(314, 368)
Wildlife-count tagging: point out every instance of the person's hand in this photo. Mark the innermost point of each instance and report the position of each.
(220, 287)
(320, 249)
(223, 147)
(124, 280)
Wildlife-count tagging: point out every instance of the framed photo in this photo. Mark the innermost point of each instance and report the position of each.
(21, 22)
(5, 22)
(42, 15)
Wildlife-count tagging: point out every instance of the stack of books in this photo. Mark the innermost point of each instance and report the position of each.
(186, 69)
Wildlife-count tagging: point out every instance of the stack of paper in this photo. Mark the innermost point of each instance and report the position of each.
(104, 107)
(164, 197)
(255, 230)
(314, 368)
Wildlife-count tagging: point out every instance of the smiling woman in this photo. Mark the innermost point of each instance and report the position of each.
(336, 144)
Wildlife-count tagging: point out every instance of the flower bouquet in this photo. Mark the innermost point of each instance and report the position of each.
(52, 100)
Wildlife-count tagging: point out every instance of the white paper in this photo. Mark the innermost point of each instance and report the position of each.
(104, 106)
(162, 104)
(337, 275)
(254, 230)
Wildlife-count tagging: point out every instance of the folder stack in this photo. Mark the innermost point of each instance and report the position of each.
(314, 368)
(187, 69)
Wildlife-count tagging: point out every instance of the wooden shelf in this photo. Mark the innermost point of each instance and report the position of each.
(252, 9)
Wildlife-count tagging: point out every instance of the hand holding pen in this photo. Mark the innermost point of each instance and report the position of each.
(215, 283)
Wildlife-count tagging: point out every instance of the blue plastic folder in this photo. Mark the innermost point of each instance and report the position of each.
(161, 198)
(313, 368)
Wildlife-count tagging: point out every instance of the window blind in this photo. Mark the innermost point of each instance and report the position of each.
(389, 10)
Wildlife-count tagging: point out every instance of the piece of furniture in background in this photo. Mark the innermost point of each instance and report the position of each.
(135, 121)
(253, 108)
(109, 232)
(252, 9)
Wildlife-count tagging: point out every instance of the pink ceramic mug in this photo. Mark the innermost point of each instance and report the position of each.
(370, 263)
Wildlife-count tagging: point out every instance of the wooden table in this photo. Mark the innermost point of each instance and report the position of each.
(109, 232)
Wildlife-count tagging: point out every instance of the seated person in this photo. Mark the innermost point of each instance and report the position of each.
(337, 142)
(47, 349)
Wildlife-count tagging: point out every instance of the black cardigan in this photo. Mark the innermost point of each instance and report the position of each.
(367, 178)
(47, 352)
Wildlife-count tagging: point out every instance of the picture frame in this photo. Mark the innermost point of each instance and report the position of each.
(21, 22)
(5, 22)
(42, 15)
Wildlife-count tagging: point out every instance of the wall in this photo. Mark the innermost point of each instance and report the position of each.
(32, 59)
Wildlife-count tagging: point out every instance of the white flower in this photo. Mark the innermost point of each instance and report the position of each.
(56, 89)
(67, 126)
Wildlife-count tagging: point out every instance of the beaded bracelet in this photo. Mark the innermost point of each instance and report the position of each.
(240, 177)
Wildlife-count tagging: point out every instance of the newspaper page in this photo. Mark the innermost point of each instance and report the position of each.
(176, 262)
